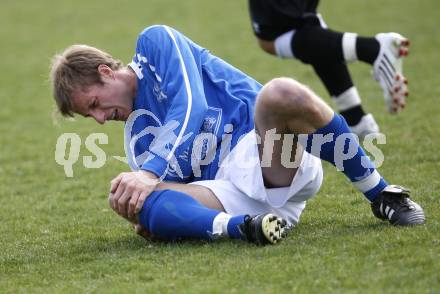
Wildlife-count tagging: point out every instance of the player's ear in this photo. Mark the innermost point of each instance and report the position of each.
(105, 71)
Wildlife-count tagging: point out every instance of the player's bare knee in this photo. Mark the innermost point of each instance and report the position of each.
(287, 96)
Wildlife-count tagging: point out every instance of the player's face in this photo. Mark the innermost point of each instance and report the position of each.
(112, 100)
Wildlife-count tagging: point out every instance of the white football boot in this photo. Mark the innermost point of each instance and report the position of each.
(367, 125)
(387, 69)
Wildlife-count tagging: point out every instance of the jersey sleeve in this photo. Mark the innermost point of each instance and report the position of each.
(171, 60)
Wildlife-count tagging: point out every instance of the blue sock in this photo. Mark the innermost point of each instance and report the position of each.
(233, 224)
(173, 215)
(340, 148)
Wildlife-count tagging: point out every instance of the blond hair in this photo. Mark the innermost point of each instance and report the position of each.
(75, 69)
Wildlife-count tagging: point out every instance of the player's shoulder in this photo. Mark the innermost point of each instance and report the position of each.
(158, 31)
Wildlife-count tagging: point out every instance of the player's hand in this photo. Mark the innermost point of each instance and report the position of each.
(128, 192)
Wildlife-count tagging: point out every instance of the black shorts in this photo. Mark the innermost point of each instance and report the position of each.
(272, 18)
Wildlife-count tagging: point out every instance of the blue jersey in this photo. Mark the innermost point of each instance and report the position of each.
(190, 109)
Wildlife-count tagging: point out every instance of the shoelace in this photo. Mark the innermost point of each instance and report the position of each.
(401, 198)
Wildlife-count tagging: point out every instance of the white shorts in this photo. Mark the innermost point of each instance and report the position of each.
(239, 184)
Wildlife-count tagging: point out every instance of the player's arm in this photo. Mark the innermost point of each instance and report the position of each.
(168, 55)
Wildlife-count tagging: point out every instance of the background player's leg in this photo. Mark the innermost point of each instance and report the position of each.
(308, 45)
(337, 80)
(312, 44)
(320, 47)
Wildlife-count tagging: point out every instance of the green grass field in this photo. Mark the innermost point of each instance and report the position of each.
(57, 234)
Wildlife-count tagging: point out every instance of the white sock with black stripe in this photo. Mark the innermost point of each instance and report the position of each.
(349, 47)
(283, 45)
(348, 99)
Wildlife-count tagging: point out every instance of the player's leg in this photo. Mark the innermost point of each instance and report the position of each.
(173, 215)
(284, 104)
(205, 217)
(201, 194)
(319, 46)
(275, 173)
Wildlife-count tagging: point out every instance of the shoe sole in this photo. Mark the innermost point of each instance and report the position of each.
(400, 88)
(395, 84)
(274, 228)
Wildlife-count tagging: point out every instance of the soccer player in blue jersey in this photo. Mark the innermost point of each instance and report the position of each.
(210, 147)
